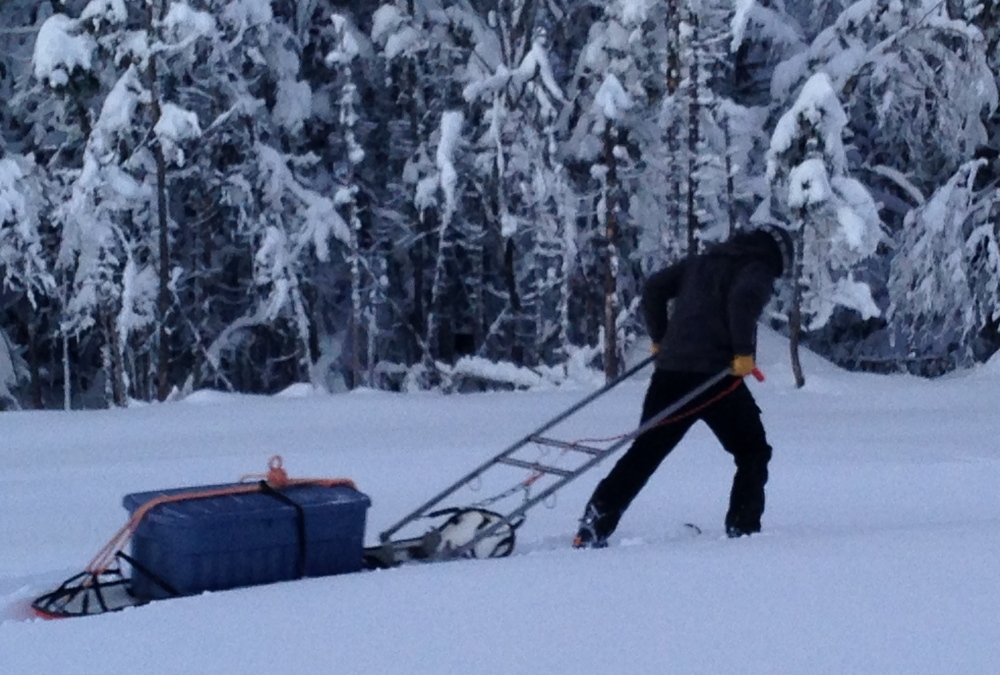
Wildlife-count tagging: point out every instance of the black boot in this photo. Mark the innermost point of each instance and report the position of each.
(742, 522)
(595, 527)
(734, 531)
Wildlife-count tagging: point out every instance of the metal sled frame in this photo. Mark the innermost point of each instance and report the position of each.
(426, 547)
(89, 593)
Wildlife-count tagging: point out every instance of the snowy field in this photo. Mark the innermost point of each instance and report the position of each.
(880, 552)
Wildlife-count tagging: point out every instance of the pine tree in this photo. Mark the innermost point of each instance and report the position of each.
(524, 195)
(365, 274)
(102, 201)
(833, 217)
(891, 62)
(421, 53)
(615, 144)
(26, 268)
(945, 274)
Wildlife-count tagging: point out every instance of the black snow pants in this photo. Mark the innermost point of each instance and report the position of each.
(735, 421)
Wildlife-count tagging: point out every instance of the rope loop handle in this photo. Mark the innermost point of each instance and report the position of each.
(276, 474)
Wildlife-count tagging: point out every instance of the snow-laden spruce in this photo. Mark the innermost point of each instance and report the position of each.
(834, 217)
(944, 278)
(913, 80)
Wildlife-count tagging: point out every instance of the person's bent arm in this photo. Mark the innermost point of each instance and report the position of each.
(750, 292)
(658, 290)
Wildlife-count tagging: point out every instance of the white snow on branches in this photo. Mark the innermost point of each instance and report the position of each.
(12, 202)
(112, 11)
(451, 131)
(611, 99)
(347, 48)
(318, 218)
(808, 184)
(293, 104)
(60, 49)
(140, 285)
(738, 24)
(184, 24)
(818, 106)
(535, 62)
(175, 126)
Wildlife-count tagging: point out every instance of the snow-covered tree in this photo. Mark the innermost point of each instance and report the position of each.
(26, 270)
(367, 270)
(244, 193)
(523, 192)
(613, 137)
(19, 23)
(915, 85)
(262, 212)
(424, 52)
(24, 264)
(100, 196)
(721, 132)
(945, 275)
(834, 219)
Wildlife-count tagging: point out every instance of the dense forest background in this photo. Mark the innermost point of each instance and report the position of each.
(246, 194)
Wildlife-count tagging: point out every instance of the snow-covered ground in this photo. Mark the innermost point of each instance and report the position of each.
(881, 549)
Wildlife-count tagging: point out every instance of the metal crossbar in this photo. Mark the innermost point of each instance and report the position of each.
(566, 445)
(535, 466)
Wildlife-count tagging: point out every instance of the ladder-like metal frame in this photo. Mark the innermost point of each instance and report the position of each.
(564, 476)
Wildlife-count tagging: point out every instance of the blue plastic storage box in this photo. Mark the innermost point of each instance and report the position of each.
(215, 543)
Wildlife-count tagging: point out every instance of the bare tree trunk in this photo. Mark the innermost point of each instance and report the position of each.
(437, 305)
(673, 73)
(477, 274)
(517, 348)
(795, 318)
(730, 181)
(611, 360)
(418, 252)
(357, 309)
(114, 366)
(673, 58)
(723, 74)
(67, 374)
(415, 104)
(302, 328)
(694, 133)
(361, 306)
(163, 294)
(372, 332)
(418, 258)
(34, 367)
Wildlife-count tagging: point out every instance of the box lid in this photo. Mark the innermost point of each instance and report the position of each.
(239, 506)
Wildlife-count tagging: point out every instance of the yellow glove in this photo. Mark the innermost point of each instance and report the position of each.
(743, 365)
(654, 348)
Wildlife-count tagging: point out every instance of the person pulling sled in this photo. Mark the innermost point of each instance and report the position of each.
(718, 298)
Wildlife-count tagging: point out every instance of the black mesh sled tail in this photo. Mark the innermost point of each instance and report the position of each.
(89, 593)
